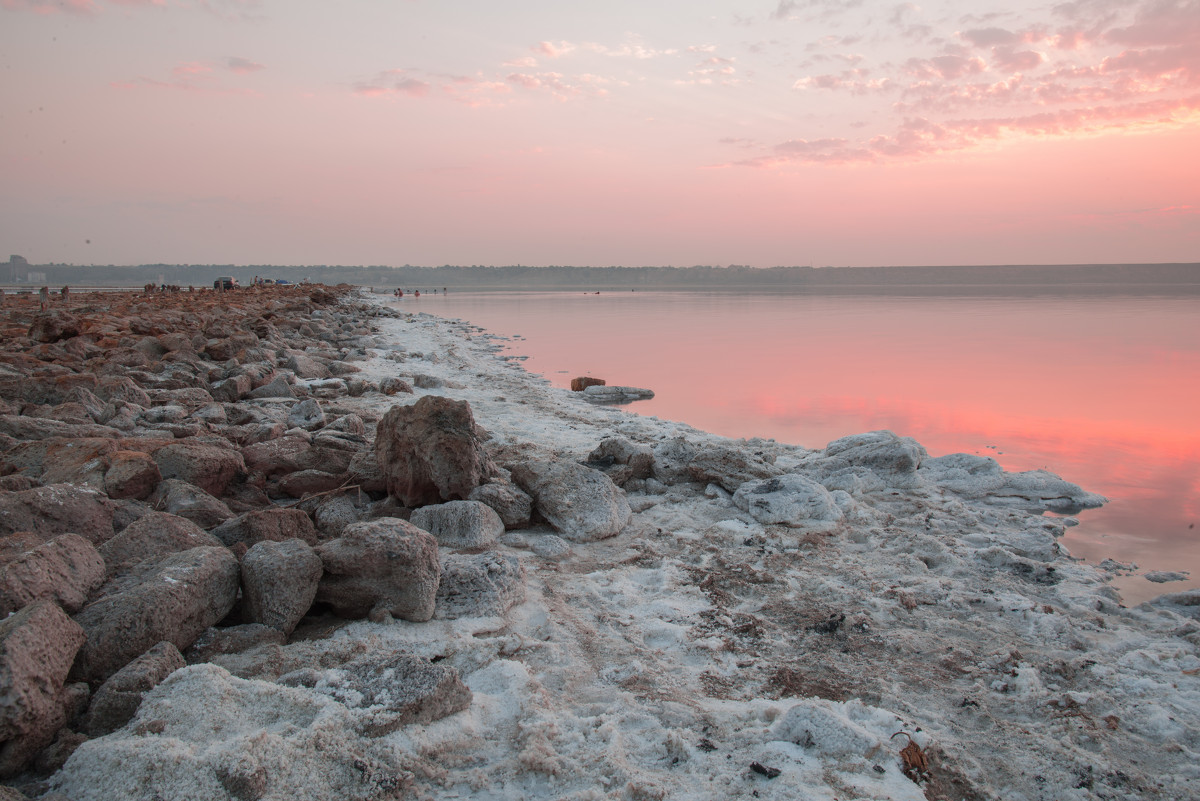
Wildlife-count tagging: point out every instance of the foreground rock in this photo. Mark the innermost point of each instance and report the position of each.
(279, 581)
(459, 524)
(430, 451)
(385, 566)
(118, 698)
(64, 570)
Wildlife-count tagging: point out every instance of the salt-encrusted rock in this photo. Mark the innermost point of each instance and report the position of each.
(267, 525)
(1164, 576)
(208, 467)
(131, 474)
(789, 499)
(311, 482)
(306, 414)
(430, 451)
(348, 424)
(392, 385)
(981, 477)
(186, 500)
(386, 565)
(118, 698)
(57, 509)
(170, 745)
(151, 537)
(831, 728)
(121, 388)
(512, 503)
(217, 642)
(37, 646)
(63, 570)
(622, 460)
(175, 600)
(307, 367)
(728, 468)
(53, 326)
(581, 503)
(459, 524)
(279, 387)
(882, 451)
(477, 585)
(1185, 603)
(598, 393)
(391, 690)
(854, 480)
(279, 583)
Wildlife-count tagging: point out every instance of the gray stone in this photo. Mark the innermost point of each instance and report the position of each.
(581, 503)
(479, 585)
(430, 451)
(118, 698)
(882, 451)
(175, 600)
(306, 414)
(279, 583)
(512, 503)
(215, 643)
(459, 524)
(386, 565)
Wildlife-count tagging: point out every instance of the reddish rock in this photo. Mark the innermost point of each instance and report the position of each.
(64, 570)
(119, 387)
(152, 536)
(187, 500)
(131, 475)
(267, 525)
(580, 383)
(277, 457)
(57, 509)
(311, 482)
(208, 467)
(381, 566)
(430, 451)
(53, 327)
(37, 646)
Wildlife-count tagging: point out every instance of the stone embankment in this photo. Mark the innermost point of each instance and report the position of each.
(183, 479)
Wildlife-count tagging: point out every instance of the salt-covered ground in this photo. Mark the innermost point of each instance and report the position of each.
(669, 660)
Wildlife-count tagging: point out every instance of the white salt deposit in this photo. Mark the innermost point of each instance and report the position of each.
(664, 662)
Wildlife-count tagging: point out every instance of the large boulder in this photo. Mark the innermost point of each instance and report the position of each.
(267, 525)
(209, 467)
(279, 583)
(118, 698)
(64, 570)
(53, 326)
(121, 388)
(882, 451)
(622, 460)
(430, 451)
(791, 499)
(478, 585)
(459, 524)
(174, 600)
(277, 457)
(57, 509)
(581, 503)
(381, 566)
(37, 646)
(186, 500)
(307, 414)
(151, 537)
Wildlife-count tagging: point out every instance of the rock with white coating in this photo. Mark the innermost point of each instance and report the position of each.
(599, 393)
(279, 583)
(478, 585)
(790, 499)
(512, 503)
(882, 451)
(459, 524)
(174, 600)
(581, 503)
(381, 566)
(306, 414)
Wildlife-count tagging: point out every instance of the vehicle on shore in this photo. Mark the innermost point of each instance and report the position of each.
(226, 282)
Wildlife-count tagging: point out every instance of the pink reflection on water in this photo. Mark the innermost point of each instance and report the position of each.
(1099, 390)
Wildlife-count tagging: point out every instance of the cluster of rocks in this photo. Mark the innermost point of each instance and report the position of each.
(182, 482)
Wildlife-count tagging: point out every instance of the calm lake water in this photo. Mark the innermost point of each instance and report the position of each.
(1101, 390)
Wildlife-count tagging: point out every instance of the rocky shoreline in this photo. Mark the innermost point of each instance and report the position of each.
(295, 543)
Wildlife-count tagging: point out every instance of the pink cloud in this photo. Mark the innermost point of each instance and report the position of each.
(945, 67)
(51, 6)
(191, 68)
(1016, 61)
(393, 82)
(990, 37)
(552, 50)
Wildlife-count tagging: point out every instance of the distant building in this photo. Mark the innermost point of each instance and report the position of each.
(17, 267)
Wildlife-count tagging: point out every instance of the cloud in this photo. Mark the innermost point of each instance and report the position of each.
(51, 6)
(990, 37)
(945, 67)
(552, 50)
(191, 68)
(242, 66)
(1016, 61)
(524, 62)
(393, 82)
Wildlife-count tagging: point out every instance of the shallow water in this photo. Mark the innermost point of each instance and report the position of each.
(1101, 390)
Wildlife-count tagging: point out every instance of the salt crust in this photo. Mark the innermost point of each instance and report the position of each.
(662, 662)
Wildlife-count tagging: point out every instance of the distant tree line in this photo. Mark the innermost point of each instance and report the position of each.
(566, 277)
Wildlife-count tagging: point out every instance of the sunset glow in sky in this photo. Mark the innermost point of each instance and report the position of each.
(634, 133)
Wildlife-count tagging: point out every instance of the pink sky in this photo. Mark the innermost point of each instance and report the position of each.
(672, 132)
